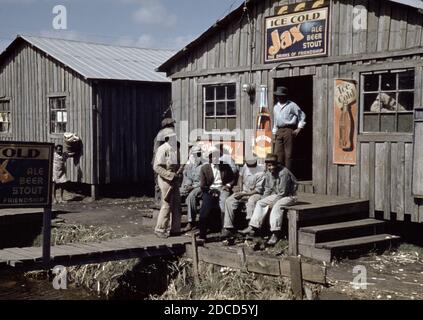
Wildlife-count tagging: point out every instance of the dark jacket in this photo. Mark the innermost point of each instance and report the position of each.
(207, 177)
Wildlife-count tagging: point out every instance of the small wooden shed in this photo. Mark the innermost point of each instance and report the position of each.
(364, 56)
(110, 96)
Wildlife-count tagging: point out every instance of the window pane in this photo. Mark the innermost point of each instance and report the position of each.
(371, 123)
(406, 80)
(371, 102)
(388, 102)
(220, 93)
(406, 101)
(221, 109)
(231, 124)
(387, 123)
(231, 108)
(209, 108)
(231, 92)
(209, 93)
(389, 81)
(371, 82)
(405, 122)
(209, 124)
(221, 124)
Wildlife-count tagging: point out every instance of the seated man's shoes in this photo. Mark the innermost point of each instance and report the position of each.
(188, 227)
(249, 231)
(273, 240)
(227, 233)
(162, 235)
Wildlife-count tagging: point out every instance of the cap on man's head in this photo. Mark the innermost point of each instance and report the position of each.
(195, 149)
(168, 133)
(281, 91)
(168, 122)
(213, 150)
(251, 162)
(271, 158)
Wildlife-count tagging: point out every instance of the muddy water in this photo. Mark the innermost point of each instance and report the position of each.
(14, 286)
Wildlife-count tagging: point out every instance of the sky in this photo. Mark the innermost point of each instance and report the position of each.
(164, 24)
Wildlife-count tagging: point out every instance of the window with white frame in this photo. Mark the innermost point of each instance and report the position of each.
(58, 114)
(388, 101)
(219, 107)
(5, 116)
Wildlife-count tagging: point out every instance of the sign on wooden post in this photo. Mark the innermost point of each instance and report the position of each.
(345, 122)
(25, 181)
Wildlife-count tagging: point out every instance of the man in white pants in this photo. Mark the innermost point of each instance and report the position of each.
(279, 191)
(249, 190)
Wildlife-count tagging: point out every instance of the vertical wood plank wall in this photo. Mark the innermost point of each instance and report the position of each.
(128, 119)
(383, 173)
(28, 77)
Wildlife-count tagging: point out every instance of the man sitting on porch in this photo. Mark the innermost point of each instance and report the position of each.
(279, 191)
(249, 190)
(216, 181)
(191, 185)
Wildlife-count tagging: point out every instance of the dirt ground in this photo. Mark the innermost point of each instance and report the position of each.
(397, 274)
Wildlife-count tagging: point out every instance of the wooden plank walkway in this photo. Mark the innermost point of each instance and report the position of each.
(84, 253)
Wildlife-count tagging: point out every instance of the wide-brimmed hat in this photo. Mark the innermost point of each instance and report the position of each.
(281, 91)
(168, 122)
(271, 158)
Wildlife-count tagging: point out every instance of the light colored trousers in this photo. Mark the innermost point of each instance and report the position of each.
(276, 215)
(231, 205)
(169, 219)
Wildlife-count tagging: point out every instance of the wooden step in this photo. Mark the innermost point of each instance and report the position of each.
(325, 251)
(354, 224)
(347, 243)
(338, 231)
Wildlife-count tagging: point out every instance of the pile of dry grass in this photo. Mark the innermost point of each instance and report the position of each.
(222, 283)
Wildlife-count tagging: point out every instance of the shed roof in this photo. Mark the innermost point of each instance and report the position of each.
(101, 61)
(232, 16)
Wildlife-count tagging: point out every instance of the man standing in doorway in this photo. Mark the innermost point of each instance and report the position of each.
(288, 121)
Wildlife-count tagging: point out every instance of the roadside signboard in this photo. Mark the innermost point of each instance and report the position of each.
(25, 174)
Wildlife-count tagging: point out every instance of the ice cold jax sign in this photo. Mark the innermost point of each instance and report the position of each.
(25, 174)
(297, 35)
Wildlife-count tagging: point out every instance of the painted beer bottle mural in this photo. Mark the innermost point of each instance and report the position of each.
(263, 143)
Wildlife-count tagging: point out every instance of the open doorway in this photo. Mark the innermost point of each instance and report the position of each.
(301, 92)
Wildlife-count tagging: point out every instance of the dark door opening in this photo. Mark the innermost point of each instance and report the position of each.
(301, 92)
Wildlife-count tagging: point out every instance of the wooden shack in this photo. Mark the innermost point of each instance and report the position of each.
(318, 49)
(110, 96)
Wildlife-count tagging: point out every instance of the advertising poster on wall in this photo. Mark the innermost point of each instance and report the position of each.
(345, 122)
(297, 35)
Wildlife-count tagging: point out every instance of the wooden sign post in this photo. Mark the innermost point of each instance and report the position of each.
(25, 181)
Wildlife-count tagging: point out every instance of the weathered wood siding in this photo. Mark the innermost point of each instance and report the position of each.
(128, 118)
(393, 39)
(27, 78)
(390, 27)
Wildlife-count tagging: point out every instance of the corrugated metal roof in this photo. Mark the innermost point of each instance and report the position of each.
(412, 3)
(105, 62)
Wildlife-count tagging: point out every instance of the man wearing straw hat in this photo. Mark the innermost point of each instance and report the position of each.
(288, 121)
(168, 177)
